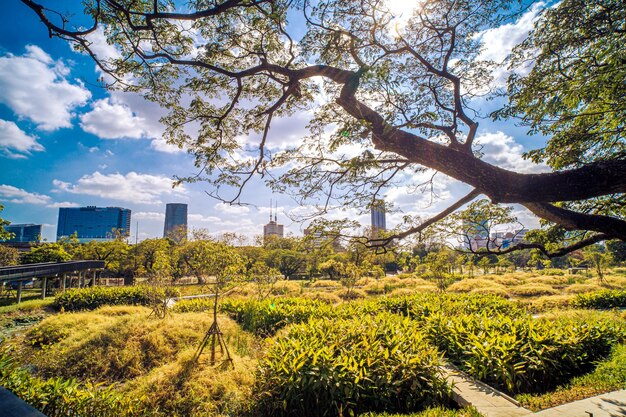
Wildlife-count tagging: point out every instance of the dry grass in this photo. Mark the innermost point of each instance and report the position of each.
(326, 297)
(507, 280)
(182, 388)
(286, 288)
(548, 280)
(120, 343)
(326, 283)
(491, 290)
(583, 288)
(470, 284)
(354, 294)
(548, 303)
(616, 281)
(413, 290)
(532, 290)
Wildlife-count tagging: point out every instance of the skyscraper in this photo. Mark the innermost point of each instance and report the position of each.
(175, 218)
(273, 228)
(378, 215)
(93, 223)
(24, 233)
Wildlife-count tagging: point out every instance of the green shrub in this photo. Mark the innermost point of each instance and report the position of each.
(267, 316)
(602, 299)
(193, 305)
(93, 297)
(350, 366)
(609, 375)
(58, 397)
(421, 305)
(522, 354)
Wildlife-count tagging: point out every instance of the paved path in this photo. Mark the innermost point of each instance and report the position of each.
(612, 404)
(488, 401)
(492, 403)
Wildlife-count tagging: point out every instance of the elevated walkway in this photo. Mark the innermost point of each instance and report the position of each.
(49, 270)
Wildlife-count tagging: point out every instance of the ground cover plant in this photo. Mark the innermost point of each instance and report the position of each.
(93, 297)
(609, 375)
(348, 366)
(521, 353)
(59, 397)
(602, 299)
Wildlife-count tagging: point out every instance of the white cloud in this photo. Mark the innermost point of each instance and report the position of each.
(132, 187)
(20, 196)
(149, 215)
(231, 209)
(35, 87)
(109, 120)
(100, 47)
(204, 219)
(162, 146)
(499, 42)
(64, 204)
(13, 139)
(501, 150)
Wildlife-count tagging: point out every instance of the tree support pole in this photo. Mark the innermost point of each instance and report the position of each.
(19, 292)
(44, 285)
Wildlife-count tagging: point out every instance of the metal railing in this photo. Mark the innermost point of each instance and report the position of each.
(47, 269)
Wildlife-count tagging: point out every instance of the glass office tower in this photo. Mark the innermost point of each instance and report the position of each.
(93, 223)
(175, 218)
(24, 233)
(378, 215)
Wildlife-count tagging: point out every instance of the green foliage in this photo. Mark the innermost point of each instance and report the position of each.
(431, 412)
(267, 316)
(574, 92)
(609, 375)
(9, 256)
(4, 235)
(46, 252)
(523, 354)
(58, 397)
(94, 297)
(349, 366)
(602, 299)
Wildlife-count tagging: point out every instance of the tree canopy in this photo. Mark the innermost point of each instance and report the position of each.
(400, 91)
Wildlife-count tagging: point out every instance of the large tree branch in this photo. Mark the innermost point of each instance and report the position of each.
(421, 227)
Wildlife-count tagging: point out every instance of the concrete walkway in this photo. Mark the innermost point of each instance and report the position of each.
(612, 404)
(493, 403)
(488, 401)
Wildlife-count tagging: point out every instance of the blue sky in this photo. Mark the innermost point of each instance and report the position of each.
(65, 141)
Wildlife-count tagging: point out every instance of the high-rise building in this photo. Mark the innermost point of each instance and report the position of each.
(378, 216)
(273, 228)
(93, 223)
(175, 219)
(24, 233)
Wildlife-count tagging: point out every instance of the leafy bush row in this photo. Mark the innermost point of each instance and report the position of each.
(602, 299)
(58, 397)
(267, 316)
(522, 354)
(350, 366)
(93, 297)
